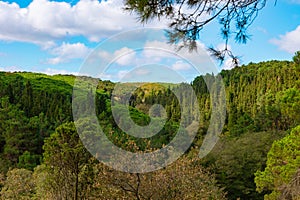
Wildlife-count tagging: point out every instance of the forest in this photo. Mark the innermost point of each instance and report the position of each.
(256, 157)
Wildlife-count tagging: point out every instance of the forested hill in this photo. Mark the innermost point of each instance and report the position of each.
(262, 102)
(260, 96)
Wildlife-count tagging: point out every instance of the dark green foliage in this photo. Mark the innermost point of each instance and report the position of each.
(252, 100)
(19, 134)
(121, 139)
(262, 101)
(281, 168)
(31, 106)
(242, 125)
(296, 58)
(260, 97)
(29, 161)
(235, 160)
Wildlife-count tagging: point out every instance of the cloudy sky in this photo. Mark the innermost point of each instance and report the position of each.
(59, 36)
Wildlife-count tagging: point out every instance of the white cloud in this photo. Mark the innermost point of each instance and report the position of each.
(16, 26)
(290, 42)
(105, 76)
(228, 64)
(49, 71)
(123, 74)
(142, 72)
(104, 55)
(179, 65)
(67, 52)
(11, 69)
(154, 53)
(52, 71)
(125, 56)
(116, 76)
(45, 21)
(158, 49)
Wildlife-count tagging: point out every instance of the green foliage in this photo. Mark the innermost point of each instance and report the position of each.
(260, 97)
(296, 58)
(66, 164)
(29, 161)
(235, 160)
(289, 102)
(242, 125)
(31, 106)
(253, 102)
(131, 143)
(282, 164)
(18, 185)
(19, 134)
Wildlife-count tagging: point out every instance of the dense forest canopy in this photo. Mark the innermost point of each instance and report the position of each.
(42, 156)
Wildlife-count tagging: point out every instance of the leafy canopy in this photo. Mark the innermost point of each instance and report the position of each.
(282, 165)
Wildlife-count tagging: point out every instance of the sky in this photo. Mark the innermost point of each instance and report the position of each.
(63, 37)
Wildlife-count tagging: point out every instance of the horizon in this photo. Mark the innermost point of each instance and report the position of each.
(136, 82)
(37, 39)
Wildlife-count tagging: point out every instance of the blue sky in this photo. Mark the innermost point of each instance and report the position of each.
(57, 36)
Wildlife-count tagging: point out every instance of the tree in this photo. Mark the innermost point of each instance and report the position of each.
(282, 169)
(66, 165)
(235, 160)
(189, 17)
(18, 132)
(296, 58)
(28, 161)
(183, 179)
(27, 99)
(291, 190)
(289, 101)
(18, 185)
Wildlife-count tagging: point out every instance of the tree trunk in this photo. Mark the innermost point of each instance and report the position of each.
(76, 183)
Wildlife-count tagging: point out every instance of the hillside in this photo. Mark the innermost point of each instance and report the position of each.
(262, 105)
